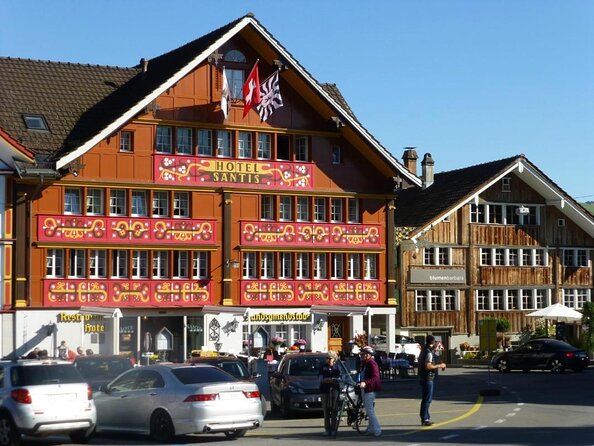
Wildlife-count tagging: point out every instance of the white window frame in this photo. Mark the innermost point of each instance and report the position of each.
(200, 264)
(160, 267)
(267, 207)
(224, 144)
(244, 145)
(370, 266)
(320, 214)
(303, 211)
(160, 207)
(320, 270)
(139, 208)
(181, 204)
(354, 266)
(118, 202)
(285, 211)
(264, 146)
(183, 141)
(267, 265)
(119, 264)
(97, 263)
(164, 139)
(250, 265)
(204, 142)
(336, 214)
(302, 265)
(140, 264)
(54, 263)
(126, 138)
(353, 204)
(181, 263)
(72, 201)
(286, 265)
(302, 148)
(95, 201)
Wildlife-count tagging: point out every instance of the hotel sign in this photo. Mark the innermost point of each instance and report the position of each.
(433, 276)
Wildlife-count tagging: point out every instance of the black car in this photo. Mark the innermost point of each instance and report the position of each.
(295, 386)
(546, 354)
(98, 370)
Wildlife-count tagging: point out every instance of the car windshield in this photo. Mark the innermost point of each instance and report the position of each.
(237, 369)
(201, 375)
(102, 368)
(308, 366)
(45, 374)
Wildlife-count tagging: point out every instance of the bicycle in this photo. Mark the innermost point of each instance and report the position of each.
(345, 404)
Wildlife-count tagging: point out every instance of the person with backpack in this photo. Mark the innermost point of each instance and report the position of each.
(427, 374)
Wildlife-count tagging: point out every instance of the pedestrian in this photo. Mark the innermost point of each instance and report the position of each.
(328, 372)
(370, 384)
(80, 351)
(33, 354)
(427, 374)
(63, 350)
(43, 354)
(89, 352)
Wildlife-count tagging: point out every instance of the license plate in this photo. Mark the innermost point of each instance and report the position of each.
(231, 395)
(64, 398)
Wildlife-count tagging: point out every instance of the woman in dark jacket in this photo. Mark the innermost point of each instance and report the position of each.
(370, 384)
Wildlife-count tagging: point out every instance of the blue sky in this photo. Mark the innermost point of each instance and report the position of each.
(467, 81)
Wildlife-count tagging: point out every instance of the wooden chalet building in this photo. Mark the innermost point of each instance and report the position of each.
(495, 240)
(137, 218)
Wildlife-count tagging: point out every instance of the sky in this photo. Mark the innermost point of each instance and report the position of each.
(467, 81)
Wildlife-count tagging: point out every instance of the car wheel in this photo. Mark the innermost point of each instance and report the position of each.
(503, 365)
(162, 429)
(236, 433)
(556, 365)
(81, 436)
(9, 435)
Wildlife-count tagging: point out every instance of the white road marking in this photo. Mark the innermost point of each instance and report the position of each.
(449, 437)
(499, 421)
(478, 428)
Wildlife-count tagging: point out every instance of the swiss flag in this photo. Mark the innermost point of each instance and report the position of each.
(251, 90)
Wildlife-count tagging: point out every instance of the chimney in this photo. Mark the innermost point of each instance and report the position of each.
(410, 159)
(144, 64)
(428, 169)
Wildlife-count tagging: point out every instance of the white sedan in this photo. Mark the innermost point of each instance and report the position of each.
(167, 400)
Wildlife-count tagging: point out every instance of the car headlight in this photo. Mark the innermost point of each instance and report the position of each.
(295, 389)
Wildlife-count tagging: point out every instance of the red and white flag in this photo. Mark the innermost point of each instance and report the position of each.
(251, 90)
(225, 95)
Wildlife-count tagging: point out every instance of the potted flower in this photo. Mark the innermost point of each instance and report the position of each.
(277, 340)
(300, 343)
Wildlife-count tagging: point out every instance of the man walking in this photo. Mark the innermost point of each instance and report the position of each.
(370, 384)
(427, 374)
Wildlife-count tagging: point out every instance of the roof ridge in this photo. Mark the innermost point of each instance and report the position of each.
(57, 62)
(487, 163)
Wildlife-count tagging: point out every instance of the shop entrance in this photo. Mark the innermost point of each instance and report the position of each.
(338, 333)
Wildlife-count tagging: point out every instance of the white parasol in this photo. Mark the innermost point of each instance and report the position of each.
(557, 312)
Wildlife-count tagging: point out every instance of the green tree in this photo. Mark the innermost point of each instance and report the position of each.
(588, 325)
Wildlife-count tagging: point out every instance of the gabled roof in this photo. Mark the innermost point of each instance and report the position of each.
(84, 104)
(422, 208)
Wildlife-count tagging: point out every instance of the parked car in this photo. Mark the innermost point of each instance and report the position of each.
(295, 386)
(44, 397)
(236, 367)
(547, 354)
(167, 400)
(99, 370)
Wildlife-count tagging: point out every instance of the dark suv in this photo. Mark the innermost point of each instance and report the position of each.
(44, 397)
(99, 370)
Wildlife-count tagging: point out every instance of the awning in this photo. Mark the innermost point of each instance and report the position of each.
(101, 311)
(345, 310)
(237, 311)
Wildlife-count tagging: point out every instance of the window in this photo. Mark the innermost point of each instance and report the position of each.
(336, 210)
(180, 264)
(486, 256)
(200, 265)
(513, 257)
(581, 257)
(303, 265)
(264, 146)
(506, 184)
(139, 264)
(183, 141)
(354, 266)
(235, 79)
(35, 122)
(319, 271)
(421, 300)
(495, 213)
(449, 300)
(160, 204)
(286, 265)
(353, 210)
(126, 141)
(244, 145)
(205, 142)
(117, 202)
(54, 263)
(482, 300)
(303, 209)
(437, 256)
(301, 148)
(370, 266)
(267, 210)
(267, 265)
(97, 264)
(181, 204)
(160, 264)
(72, 200)
(119, 264)
(477, 213)
(512, 300)
(224, 143)
(283, 148)
(337, 264)
(319, 209)
(575, 257)
(163, 141)
(249, 265)
(336, 155)
(435, 302)
(139, 203)
(285, 213)
(95, 201)
(499, 256)
(497, 300)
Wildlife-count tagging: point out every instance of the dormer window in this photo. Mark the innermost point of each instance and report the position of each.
(35, 122)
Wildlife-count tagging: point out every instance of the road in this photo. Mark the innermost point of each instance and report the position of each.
(471, 406)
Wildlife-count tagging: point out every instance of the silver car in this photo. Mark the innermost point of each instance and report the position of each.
(44, 397)
(167, 400)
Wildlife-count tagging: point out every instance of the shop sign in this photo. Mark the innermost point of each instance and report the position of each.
(280, 317)
(451, 275)
(93, 323)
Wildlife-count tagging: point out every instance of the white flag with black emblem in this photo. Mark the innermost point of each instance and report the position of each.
(270, 97)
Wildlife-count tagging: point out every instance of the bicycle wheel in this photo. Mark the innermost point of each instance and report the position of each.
(362, 420)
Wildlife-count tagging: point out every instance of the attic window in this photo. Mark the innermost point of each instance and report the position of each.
(235, 56)
(35, 122)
